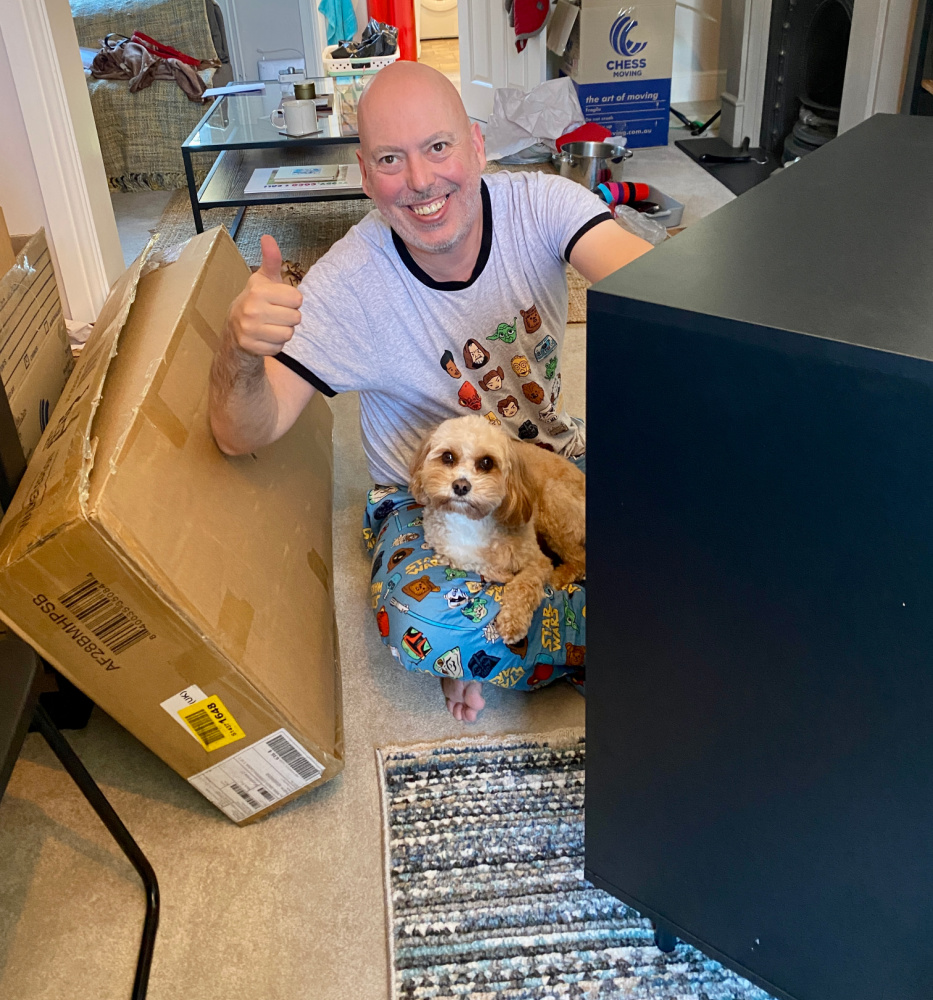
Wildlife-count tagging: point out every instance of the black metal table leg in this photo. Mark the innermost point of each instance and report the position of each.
(235, 225)
(192, 191)
(130, 848)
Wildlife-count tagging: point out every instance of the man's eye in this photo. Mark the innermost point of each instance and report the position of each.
(387, 161)
(486, 464)
(439, 147)
(447, 458)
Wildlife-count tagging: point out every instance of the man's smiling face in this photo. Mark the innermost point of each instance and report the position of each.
(420, 157)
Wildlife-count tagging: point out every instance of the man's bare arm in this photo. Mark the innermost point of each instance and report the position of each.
(606, 248)
(253, 398)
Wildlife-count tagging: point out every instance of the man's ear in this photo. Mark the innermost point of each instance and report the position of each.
(479, 144)
(416, 470)
(516, 509)
(365, 182)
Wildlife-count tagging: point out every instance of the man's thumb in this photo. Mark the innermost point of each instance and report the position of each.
(271, 266)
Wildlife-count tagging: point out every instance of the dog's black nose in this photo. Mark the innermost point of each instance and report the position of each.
(462, 487)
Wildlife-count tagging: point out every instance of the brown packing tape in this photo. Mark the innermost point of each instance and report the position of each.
(194, 667)
(319, 568)
(204, 329)
(235, 621)
(168, 394)
(162, 417)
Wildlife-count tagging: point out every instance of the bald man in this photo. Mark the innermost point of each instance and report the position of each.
(450, 297)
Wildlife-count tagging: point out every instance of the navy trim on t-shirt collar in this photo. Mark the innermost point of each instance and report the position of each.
(583, 230)
(485, 247)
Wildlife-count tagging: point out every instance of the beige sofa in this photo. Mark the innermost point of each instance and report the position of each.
(141, 134)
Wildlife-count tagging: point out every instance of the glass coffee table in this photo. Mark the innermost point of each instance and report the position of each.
(238, 133)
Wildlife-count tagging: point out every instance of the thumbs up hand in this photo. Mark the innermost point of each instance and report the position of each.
(264, 315)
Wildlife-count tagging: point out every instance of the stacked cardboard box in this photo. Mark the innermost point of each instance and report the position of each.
(35, 358)
(620, 60)
(7, 256)
(188, 593)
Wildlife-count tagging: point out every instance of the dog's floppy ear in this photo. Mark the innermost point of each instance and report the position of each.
(515, 510)
(416, 469)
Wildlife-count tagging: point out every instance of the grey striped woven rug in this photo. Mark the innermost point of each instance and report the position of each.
(485, 886)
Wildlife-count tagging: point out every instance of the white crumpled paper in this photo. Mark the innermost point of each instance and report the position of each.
(519, 120)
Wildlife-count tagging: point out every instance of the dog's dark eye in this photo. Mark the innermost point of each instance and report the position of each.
(448, 458)
(486, 464)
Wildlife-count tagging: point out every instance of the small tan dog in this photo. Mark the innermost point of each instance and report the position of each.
(487, 498)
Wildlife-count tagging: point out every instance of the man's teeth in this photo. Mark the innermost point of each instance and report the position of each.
(435, 206)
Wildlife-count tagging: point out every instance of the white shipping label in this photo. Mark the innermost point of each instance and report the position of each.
(182, 700)
(258, 776)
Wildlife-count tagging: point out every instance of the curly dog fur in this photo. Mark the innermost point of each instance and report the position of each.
(488, 499)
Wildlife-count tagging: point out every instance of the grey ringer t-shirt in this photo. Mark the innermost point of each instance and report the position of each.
(419, 351)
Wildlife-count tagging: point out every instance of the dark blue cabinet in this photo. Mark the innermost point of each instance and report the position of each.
(760, 576)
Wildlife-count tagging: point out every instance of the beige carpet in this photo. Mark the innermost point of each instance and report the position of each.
(304, 232)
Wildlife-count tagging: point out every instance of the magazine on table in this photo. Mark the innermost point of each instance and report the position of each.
(268, 179)
(311, 172)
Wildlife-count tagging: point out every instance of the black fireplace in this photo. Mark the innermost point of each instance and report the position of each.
(806, 66)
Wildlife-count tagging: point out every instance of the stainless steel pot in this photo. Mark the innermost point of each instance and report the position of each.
(591, 163)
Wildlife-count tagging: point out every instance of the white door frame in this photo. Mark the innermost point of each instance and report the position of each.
(876, 67)
(60, 127)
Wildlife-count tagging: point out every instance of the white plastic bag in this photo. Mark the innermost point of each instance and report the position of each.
(640, 225)
(519, 120)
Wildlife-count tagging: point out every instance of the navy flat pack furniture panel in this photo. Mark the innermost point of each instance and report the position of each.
(760, 576)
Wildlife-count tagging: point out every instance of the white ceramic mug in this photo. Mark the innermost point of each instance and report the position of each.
(296, 117)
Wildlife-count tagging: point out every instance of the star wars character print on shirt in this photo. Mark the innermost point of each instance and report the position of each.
(514, 372)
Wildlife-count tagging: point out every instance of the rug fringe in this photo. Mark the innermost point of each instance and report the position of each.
(559, 737)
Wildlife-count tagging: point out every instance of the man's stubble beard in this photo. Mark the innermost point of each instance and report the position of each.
(413, 239)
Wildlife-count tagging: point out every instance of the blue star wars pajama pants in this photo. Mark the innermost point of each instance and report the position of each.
(441, 619)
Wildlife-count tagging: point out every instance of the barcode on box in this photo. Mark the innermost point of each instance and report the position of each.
(206, 730)
(304, 766)
(245, 796)
(104, 615)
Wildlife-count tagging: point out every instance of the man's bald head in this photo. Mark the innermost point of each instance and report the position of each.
(402, 85)
(421, 159)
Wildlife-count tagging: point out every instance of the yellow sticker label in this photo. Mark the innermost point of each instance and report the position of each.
(211, 723)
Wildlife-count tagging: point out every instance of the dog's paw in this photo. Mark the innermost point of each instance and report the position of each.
(512, 625)
(565, 574)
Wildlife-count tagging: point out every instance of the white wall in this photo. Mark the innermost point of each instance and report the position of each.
(696, 74)
(261, 24)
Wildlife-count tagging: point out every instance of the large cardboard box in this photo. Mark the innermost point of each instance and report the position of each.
(7, 256)
(188, 593)
(35, 358)
(620, 61)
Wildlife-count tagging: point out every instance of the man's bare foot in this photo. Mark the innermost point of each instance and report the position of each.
(464, 698)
